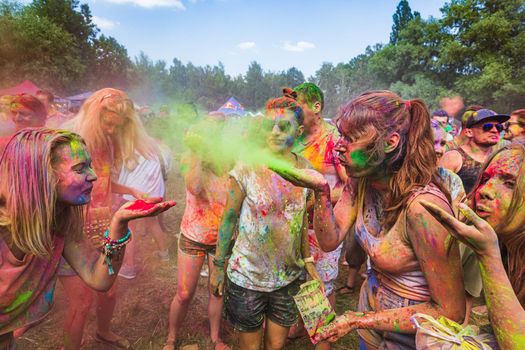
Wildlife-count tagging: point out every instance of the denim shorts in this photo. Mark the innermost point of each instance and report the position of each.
(190, 247)
(376, 297)
(246, 309)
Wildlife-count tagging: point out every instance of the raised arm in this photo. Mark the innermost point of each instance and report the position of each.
(94, 272)
(229, 221)
(333, 224)
(507, 315)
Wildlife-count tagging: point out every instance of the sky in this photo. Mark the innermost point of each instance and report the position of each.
(276, 34)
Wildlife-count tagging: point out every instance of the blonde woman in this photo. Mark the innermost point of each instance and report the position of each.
(114, 135)
(50, 173)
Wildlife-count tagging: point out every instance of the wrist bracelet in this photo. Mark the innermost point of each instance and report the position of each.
(309, 259)
(110, 247)
(218, 262)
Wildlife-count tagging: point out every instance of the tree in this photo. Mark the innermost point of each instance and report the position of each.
(111, 65)
(401, 17)
(33, 47)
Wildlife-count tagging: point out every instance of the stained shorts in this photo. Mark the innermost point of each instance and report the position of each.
(190, 247)
(246, 309)
(376, 297)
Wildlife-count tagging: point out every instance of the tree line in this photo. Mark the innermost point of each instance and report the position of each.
(475, 50)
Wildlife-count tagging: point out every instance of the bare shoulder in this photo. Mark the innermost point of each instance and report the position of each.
(451, 160)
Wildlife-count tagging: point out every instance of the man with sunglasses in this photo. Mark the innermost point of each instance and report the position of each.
(482, 131)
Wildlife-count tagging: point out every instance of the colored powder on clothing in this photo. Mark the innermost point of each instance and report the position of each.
(21, 299)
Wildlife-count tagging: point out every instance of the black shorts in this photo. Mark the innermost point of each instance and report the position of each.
(246, 309)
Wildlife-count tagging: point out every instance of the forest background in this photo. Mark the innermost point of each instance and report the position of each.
(475, 50)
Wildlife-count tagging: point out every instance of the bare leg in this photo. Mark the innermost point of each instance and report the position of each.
(80, 297)
(214, 311)
(252, 340)
(274, 336)
(153, 225)
(105, 308)
(189, 267)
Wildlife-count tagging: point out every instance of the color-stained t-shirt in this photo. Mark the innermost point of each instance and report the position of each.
(320, 152)
(267, 253)
(203, 212)
(26, 286)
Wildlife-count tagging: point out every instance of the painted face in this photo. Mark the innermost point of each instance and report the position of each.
(111, 122)
(281, 128)
(26, 118)
(514, 129)
(74, 173)
(494, 195)
(440, 141)
(442, 121)
(353, 156)
(309, 114)
(484, 136)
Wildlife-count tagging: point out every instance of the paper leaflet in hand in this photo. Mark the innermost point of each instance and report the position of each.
(314, 307)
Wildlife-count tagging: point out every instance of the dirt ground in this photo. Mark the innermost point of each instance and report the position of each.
(142, 309)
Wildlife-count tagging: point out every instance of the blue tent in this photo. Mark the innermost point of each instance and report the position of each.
(231, 107)
(80, 98)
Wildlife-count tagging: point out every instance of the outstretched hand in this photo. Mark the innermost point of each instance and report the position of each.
(479, 236)
(338, 328)
(308, 178)
(143, 208)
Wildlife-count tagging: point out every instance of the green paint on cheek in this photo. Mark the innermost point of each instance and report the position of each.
(359, 158)
(21, 299)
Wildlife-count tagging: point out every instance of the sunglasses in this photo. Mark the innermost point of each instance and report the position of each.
(283, 125)
(488, 127)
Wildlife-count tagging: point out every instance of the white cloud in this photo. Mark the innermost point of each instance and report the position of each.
(300, 46)
(152, 3)
(246, 45)
(104, 23)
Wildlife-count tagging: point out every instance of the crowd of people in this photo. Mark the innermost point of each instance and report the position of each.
(430, 205)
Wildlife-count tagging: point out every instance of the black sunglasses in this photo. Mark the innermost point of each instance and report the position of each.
(283, 125)
(487, 127)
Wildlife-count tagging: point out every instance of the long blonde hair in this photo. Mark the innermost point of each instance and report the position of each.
(128, 141)
(28, 192)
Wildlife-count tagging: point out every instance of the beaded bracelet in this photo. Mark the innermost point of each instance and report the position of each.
(218, 262)
(110, 247)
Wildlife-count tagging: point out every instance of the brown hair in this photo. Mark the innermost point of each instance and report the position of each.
(514, 242)
(375, 115)
(287, 101)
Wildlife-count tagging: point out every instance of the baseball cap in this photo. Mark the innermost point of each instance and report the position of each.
(440, 113)
(483, 114)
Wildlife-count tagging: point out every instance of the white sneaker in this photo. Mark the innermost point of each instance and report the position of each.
(127, 272)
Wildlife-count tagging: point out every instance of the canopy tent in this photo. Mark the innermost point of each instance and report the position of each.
(77, 100)
(231, 107)
(25, 87)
